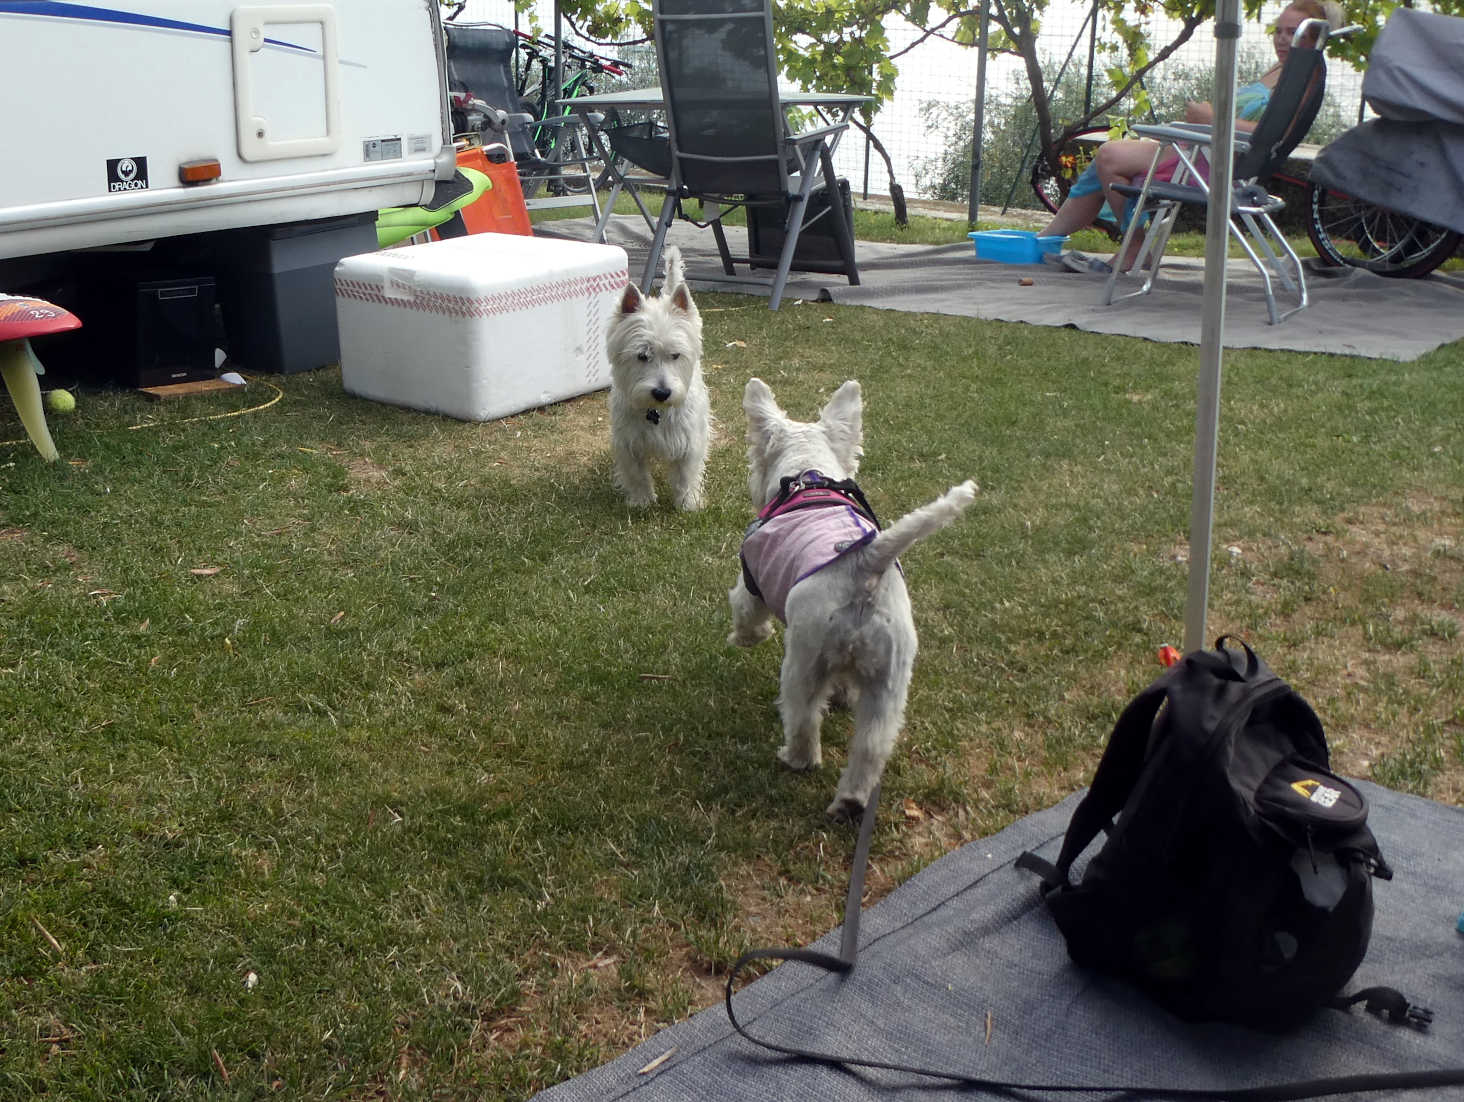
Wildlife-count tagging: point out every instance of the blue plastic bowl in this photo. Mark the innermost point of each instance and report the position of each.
(1014, 246)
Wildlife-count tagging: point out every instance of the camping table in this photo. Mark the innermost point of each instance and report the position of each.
(833, 107)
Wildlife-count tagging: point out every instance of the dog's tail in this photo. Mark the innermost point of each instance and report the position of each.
(881, 552)
(675, 269)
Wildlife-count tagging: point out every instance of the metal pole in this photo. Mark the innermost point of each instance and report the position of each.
(1092, 55)
(978, 120)
(558, 89)
(1212, 324)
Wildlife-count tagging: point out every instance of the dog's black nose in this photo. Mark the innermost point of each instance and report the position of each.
(660, 394)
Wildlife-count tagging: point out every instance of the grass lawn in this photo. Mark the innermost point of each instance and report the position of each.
(357, 753)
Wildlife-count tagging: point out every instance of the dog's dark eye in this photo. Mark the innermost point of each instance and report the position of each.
(676, 355)
(643, 357)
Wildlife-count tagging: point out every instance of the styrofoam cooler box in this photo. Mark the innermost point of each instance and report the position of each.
(478, 327)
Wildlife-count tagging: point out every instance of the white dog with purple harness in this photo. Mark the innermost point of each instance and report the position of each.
(817, 559)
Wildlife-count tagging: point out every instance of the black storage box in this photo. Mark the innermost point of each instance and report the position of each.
(173, 331)
(141, 325)
(277, 288)
(818, 246)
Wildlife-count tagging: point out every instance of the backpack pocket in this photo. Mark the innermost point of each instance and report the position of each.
(1312, 918)
(1308, 805)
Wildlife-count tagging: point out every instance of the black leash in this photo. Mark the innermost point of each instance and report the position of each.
(843, 964)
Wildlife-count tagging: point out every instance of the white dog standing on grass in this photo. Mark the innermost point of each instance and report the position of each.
(659, 407)
(816, 559)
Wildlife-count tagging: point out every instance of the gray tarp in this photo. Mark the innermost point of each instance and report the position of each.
(1416, 168)
(1416, 70)
(967, 938)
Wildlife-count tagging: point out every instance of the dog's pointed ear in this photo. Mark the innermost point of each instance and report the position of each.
(763, 414)
(631, 300)
(681, 299)
(843, 424)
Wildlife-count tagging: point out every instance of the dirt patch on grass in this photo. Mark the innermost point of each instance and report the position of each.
(363, 471)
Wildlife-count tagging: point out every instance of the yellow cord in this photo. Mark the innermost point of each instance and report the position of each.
(215, 416)
(278, 394)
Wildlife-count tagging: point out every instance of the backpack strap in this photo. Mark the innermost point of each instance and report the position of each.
(1117, 773)
(1386, 1002)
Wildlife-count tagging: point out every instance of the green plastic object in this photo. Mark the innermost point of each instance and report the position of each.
(396, 224)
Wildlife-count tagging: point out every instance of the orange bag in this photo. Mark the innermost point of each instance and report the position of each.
(500, 209)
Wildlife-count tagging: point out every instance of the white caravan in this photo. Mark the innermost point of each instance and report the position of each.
(281, 112)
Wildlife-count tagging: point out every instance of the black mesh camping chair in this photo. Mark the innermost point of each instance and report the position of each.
(729, 141)
(1258, 155)
(484, 100)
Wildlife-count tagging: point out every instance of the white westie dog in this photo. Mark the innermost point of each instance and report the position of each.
(659, 407)
(816, 559)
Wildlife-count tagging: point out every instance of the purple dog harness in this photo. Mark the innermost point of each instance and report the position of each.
(811, 523)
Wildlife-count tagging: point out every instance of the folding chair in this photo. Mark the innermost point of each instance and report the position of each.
(1289, 114)
(729, 141)
(480, 75)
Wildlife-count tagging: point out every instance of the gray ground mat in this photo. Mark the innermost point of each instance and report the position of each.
(1351, 312)
(961, 968)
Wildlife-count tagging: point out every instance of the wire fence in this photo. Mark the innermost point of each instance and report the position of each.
(926, 127)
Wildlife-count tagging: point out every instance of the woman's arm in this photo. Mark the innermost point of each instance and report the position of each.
(1196, 111)
(1199, 112)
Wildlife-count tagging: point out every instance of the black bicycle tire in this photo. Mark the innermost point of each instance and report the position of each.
(1442, 241)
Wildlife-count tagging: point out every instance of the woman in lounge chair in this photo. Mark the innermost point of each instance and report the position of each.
(1125, 160)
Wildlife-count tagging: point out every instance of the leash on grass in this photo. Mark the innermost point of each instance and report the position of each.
(843, 964)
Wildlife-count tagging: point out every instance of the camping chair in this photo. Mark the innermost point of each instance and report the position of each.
(1293, 105)
(480, 79)
(728, 138)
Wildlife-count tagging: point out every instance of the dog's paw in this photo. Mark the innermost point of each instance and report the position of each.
(640, 500)
(800, 762)
(691, 502)
(750, 636)
(844, 809)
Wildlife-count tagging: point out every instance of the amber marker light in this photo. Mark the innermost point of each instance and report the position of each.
(199, 172)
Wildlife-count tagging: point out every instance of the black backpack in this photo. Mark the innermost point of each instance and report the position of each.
(1235, 883)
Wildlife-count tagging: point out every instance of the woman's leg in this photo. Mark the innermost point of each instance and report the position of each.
(1120, 162)
(1077, 212)
(1080, 208)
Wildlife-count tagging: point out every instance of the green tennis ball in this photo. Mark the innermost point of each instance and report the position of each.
(60, 401)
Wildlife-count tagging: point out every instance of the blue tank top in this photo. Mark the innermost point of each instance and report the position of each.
(1251, 100)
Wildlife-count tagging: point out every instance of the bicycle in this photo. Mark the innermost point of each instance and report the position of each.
(1357, 233)
(555, 142)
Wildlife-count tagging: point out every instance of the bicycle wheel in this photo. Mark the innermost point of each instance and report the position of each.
(1052, 178)
(1357, 233)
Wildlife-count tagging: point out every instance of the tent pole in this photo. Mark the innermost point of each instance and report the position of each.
(1212, 326)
